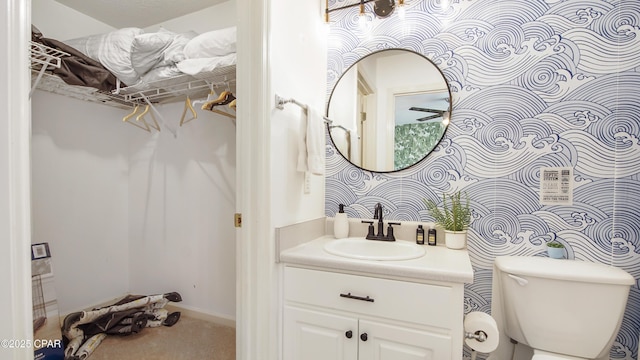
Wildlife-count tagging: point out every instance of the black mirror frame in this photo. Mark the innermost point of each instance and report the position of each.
(436, 144)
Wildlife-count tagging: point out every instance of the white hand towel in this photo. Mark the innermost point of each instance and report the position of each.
(311, 144)
(302, 143)
(316, 143)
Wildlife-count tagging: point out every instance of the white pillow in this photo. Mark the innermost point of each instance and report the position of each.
(212, 44)
(195, 66)
(148, 49)
(174, 53)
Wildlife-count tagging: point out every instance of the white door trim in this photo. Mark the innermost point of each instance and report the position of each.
(255, 322)
(15, 187)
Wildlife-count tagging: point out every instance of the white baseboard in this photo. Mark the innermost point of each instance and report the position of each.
(202, 315)
(99, 304)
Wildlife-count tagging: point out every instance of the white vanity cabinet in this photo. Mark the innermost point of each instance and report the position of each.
(331, 315)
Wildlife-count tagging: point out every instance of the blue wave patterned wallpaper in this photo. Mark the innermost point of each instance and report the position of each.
(535, 84)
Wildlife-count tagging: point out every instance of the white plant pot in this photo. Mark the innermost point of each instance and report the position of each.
(455, 239)
(556, 253)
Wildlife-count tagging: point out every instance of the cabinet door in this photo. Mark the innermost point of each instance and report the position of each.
(389, 342)
(314, 335)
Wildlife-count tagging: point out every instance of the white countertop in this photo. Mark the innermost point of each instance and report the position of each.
(439, 263)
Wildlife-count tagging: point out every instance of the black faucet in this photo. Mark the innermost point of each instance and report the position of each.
(377, 215)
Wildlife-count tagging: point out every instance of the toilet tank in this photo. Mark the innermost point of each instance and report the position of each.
(569, 307)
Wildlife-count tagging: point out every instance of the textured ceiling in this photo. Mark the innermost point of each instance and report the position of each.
(137, 13)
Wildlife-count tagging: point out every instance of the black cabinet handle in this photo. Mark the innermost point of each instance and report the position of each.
(349, 296)
(364, 337)
(349, 334)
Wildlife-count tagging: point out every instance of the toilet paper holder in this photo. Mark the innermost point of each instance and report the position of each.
(481, 332)
(479, 335)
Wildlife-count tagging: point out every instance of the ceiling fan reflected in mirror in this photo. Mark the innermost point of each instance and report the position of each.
(436, 113)
(420, 107)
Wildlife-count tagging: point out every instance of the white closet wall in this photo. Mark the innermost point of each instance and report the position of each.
(126, 211)
(181, 206)
(80, 165)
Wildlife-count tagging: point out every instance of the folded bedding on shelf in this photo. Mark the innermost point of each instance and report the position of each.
(161, 60)
(141, 59)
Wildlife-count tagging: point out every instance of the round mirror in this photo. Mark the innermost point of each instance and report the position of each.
(389, 110)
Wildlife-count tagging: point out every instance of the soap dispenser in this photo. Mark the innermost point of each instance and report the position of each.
(341, 224)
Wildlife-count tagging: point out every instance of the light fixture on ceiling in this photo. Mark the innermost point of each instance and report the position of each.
(381, 8)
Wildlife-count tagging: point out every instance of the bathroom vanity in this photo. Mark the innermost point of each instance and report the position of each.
(336, 307)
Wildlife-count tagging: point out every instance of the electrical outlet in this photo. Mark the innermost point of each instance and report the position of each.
(307, 182)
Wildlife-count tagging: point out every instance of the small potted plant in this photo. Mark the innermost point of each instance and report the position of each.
(454, 218)
(555, 250)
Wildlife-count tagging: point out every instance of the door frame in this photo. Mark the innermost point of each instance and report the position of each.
(256, 325)
(15, 187)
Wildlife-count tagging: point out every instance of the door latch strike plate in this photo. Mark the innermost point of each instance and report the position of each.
(237, 220)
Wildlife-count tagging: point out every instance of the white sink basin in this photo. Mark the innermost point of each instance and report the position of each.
(361, 248)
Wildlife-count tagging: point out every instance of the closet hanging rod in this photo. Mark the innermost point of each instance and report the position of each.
(280, 101)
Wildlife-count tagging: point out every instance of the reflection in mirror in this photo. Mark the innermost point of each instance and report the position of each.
(389, 110)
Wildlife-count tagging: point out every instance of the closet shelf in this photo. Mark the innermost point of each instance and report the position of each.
(168, 90)
(44, 59)
(44, 56)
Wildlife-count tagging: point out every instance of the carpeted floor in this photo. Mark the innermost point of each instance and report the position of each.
(188, 339)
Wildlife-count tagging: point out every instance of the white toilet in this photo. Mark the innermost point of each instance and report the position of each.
(563, 309)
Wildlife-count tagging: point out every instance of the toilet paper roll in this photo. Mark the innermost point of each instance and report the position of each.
(477, 321)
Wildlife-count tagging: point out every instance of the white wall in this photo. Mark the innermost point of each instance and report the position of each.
(298, 52)
(298, 66)
(80, 166)
(181, 206)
